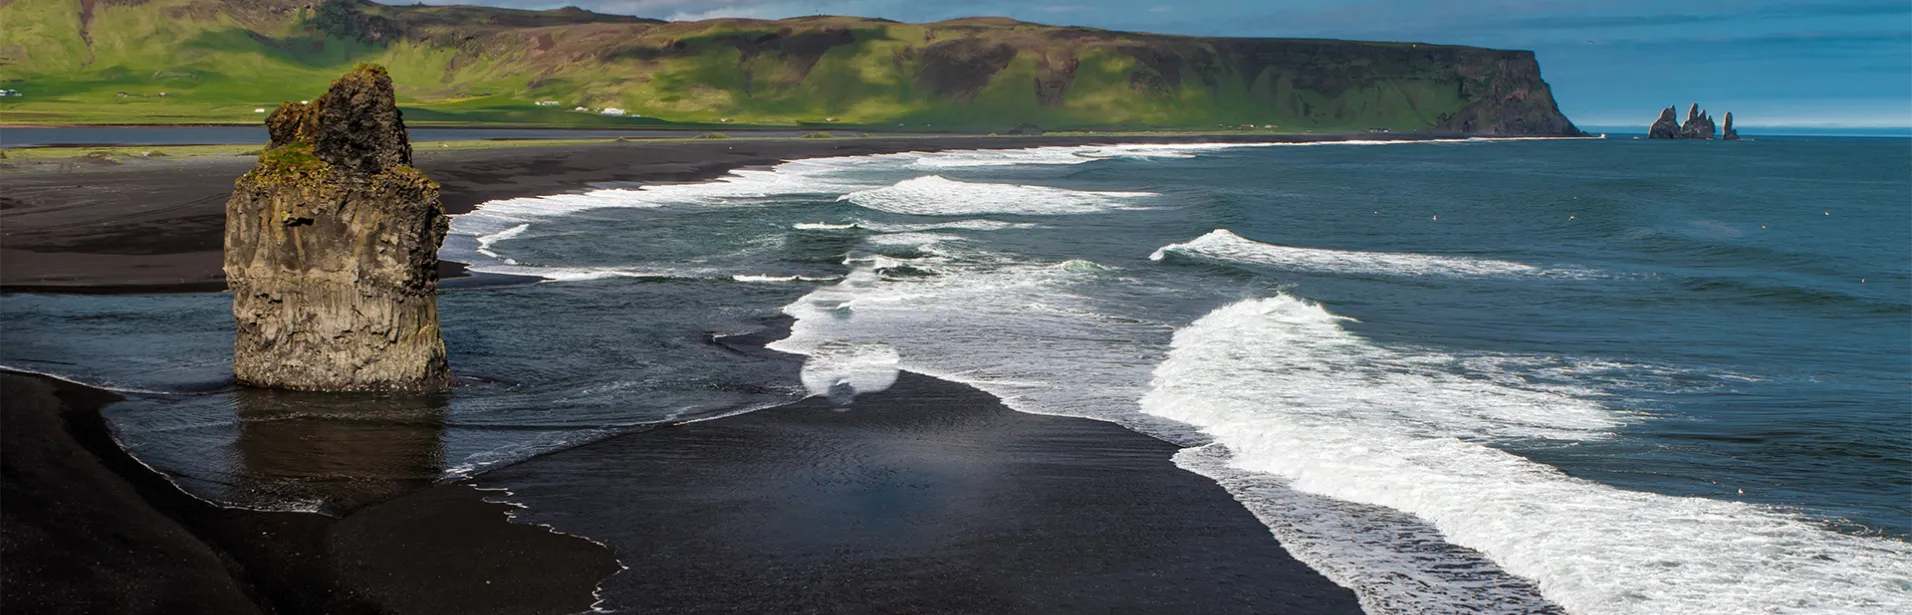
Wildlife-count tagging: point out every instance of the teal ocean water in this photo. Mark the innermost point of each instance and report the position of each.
(1608, 376)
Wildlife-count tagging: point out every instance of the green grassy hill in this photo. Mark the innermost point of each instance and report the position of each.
(217, 61)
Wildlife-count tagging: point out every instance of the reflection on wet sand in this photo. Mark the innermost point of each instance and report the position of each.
(336, 452)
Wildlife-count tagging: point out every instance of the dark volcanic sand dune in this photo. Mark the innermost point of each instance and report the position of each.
(929, 497)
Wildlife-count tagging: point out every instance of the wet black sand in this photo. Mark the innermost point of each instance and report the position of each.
(928, 497)
(85, 528)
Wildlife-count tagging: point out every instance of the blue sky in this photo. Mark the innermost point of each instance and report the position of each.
(1611, 62)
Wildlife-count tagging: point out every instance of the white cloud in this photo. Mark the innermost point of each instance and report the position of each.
(752, 12)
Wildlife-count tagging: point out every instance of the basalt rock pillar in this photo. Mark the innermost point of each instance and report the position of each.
(1667, 127)
(332, 250)
(1699, 124)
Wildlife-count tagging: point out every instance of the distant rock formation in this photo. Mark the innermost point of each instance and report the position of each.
(1667, 127)
(1698, 125)
(1728, 134)
(332, 250)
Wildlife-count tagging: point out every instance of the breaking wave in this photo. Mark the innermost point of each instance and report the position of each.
(935, 195)
(1292, 394)
(1225, 245)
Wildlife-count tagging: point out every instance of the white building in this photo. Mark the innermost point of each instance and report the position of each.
(612, 111)
(546, 103)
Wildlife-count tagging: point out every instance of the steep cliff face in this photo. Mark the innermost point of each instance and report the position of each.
(1504, 95)
(478, 64)
(332, 250)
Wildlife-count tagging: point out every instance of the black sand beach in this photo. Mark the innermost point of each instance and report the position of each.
(85, 528)
(929, 497)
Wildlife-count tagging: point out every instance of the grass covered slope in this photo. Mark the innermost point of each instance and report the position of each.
(108, 61)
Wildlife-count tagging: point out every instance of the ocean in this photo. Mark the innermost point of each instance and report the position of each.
(1603, 375)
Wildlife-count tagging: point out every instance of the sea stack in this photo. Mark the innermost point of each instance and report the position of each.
(1667, 127)
(332, 250)
(1699, 124)
(1728, 134)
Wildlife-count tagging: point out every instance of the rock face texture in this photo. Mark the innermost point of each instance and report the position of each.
(1505, 96)
(1728, 134)
(332, 250)
(1698, 125)
(1667, 127)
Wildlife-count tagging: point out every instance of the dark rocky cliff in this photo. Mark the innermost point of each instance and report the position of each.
(1506, 96)
(332, 250)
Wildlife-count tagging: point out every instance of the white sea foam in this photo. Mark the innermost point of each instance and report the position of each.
(935, 195)
(495, 220)
(823, 226)
(914, 239)
(1291, 393)
(841, 370)
(967, 225)
(485, 242)
(946, 225)
(1032, 334)
(1063, 155)
(995, 158)
(778, 279)
(1225, 245)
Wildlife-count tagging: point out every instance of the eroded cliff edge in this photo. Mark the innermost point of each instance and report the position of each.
(331, 250)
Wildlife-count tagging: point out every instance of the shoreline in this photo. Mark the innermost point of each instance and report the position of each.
(156, 226)
(101, 532)
(931, 496)
(1201, 534)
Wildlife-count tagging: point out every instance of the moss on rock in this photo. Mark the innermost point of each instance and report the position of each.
(332, 250)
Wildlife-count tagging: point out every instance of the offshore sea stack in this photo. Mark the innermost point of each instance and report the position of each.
(332, 250)
(1727, 133)
(1698, 125)
(1667, 127)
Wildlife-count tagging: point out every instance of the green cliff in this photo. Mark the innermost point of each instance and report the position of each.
(110, 61)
